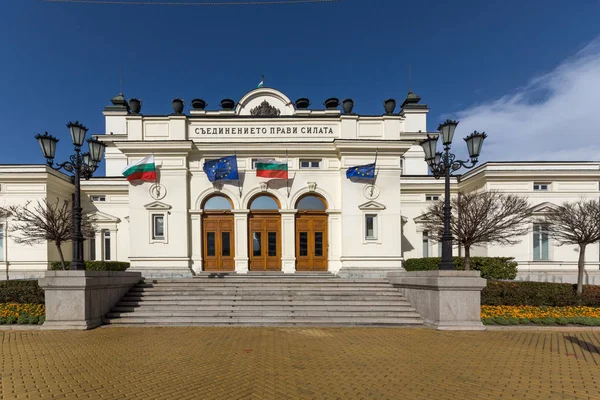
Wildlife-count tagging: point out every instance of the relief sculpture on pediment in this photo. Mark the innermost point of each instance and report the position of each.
(265, 110)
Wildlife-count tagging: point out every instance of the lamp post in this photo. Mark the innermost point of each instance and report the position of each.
(444, 164)
(79, 165)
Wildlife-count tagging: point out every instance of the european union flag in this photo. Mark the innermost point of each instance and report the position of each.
(223, 168)
(361, 171)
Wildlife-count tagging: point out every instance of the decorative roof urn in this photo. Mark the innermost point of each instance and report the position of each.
(302, 103)
(199, 104)
(332, 103)
(389, 105)
(177, 105)
(227, 104)
(135, 105)
(348, 106)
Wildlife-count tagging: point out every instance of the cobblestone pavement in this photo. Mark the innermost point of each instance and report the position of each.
(296, 363)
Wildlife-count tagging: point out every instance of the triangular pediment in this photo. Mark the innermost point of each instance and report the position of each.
(101, 217)
(372, 205)
(544, 208)
(421, 219)
(157, 206)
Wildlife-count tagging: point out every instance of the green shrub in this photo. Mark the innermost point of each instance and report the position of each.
(2, 320)
(33, 319)
(41, 319)
(93, 265)
(21, 291)
(517, 293)
(502, 320)
(23, 319)
(548, 320)
(490, 267)
(485, 321)
(11, 320)
(562, 321)
(524, 320)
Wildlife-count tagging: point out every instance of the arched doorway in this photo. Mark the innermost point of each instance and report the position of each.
(311, 234)
(217, 234)
(264, 234)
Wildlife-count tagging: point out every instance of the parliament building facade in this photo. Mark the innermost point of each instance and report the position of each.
(316, 220)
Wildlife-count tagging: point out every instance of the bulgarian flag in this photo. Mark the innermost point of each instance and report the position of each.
(272, 169)
(143, 170)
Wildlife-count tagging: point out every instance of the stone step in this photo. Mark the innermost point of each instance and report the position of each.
(285, 286)
(263, 313)
(242, 307)
(238, 321)
(208, 281)
(263, 297)
(246, 292)
(333, 303)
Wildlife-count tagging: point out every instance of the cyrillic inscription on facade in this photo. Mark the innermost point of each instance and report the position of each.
(271, 130)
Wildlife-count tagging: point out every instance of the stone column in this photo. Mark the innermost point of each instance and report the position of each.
(196, 239)
(288, 241)
(240, 222)
(334, 226)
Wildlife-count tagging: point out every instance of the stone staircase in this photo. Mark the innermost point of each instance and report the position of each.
(264, 300)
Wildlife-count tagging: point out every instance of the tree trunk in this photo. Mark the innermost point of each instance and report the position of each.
(467, 258)
(62, 257)
(581, 268)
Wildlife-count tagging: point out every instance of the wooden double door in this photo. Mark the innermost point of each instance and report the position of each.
(311, 242)
(264, 241)
(218, 242)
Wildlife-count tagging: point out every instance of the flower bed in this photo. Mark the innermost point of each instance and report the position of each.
(541, 315)
(16, 313)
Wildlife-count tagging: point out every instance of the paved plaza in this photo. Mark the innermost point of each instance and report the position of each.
(296, 363)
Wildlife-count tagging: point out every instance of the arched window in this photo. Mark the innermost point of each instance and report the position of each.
(217, 203)
(264, 202)
(311, 203)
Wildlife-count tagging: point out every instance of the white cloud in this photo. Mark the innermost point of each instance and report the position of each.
(555, 117)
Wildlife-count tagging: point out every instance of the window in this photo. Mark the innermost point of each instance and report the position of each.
(217, 203)
(425, 244)
(158, 226)
(310, 202)
(540, 242)
(540, 186)
(92, 248)
(310, 164)
(371, 227)
(264, 202)
(432, 197)
(106, 237)
(98, 198)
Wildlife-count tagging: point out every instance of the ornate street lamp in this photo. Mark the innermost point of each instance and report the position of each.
(444, 164)
(79, 165)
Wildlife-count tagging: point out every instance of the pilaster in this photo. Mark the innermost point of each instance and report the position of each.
(288, 241)
(240, 222)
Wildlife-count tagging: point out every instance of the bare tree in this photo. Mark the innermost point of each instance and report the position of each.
(45, 221)
(480, 218)
(576, 223)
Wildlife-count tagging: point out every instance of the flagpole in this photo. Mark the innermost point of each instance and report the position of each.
(287, 180)
(238, 180)
(374, 166)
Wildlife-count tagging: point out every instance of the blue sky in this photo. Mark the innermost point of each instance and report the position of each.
(500, 66)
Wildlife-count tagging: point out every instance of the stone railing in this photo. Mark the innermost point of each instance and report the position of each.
(446, 300)
(80, 299)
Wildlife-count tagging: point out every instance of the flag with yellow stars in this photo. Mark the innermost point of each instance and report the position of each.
(361, 171)
(224, 168)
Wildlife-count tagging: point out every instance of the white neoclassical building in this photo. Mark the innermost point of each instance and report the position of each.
(317, 220)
